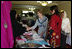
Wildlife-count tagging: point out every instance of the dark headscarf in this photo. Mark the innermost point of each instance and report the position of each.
(54, 7)
(12, 14)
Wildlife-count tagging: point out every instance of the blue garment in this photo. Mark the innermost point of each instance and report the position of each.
(38, 42)
(42, 24)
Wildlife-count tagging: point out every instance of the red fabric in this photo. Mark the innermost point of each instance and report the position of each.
(57, 28)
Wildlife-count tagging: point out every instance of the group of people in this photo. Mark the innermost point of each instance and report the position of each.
(58, 24)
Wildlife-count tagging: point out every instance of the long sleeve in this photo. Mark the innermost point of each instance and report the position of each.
(46, 25)
(53, 23)
(68, 30)
(66, 25)
(33, 27)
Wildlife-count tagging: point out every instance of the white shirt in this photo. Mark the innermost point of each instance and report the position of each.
(67, 29)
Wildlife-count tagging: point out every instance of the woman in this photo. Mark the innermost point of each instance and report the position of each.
(17, 28)
(66, 29)
(41, 22)
(15, 24)
(55, 27)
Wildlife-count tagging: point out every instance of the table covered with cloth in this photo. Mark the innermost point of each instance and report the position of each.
(31, 39)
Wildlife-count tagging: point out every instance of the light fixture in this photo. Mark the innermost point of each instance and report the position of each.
(49, 2)
(31, 9)
(34, 8)
(25, 12)
(38, 1)
(23, 15)
(44, 3)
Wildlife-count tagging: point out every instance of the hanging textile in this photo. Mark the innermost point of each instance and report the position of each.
(6, 27)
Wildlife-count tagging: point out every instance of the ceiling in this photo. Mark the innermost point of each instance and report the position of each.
(28, 4)
(35, 3)
(25, 3)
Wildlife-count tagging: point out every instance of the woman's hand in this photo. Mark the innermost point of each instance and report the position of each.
(41, 34)
(50, 28)
(28, 28)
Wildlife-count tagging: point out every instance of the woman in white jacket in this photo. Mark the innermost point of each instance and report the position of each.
(66, 27)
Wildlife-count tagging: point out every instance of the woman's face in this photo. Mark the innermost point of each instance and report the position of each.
(53, 11)
(62, 14)
(39, 14)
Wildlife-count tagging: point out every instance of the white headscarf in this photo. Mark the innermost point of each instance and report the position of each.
(65, 15)
(66, 28)
(66, 24)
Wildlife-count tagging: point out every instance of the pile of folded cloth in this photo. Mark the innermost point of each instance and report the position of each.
(30, 39)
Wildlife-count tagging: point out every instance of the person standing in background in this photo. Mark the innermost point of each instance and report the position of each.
(66, 30)
(17, 27)
(55, 27)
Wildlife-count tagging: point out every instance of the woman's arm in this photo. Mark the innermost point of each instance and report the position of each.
(67, 27)
(33, 27)
(46, 25)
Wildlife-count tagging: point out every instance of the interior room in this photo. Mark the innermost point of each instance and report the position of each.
(35, 24)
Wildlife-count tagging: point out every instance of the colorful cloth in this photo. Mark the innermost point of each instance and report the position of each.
(38, 42)
(55, 24)
(6, 27)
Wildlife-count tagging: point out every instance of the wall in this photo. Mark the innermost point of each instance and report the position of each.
(18, 10)
(67, 7)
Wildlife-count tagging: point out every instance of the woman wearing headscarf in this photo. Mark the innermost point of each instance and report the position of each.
(55, 27)
(66, 28)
